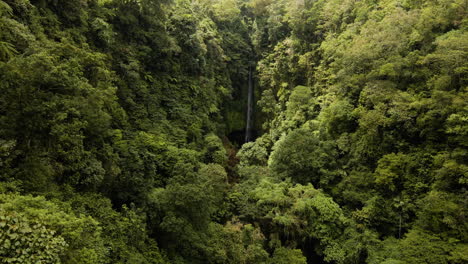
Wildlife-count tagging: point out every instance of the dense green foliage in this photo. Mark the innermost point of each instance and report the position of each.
(120, 124)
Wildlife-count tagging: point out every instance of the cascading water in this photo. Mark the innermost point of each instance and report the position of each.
(250, 106)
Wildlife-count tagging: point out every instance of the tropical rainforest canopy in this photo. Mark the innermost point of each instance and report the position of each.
(123, 127)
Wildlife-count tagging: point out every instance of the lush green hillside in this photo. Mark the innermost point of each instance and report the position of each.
(122, 127)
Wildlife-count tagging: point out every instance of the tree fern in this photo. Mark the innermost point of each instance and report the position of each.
(7, 51)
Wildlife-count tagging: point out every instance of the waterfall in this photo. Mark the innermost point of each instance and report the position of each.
(250, 106)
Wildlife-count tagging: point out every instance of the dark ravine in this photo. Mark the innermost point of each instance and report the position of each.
(250, 107)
